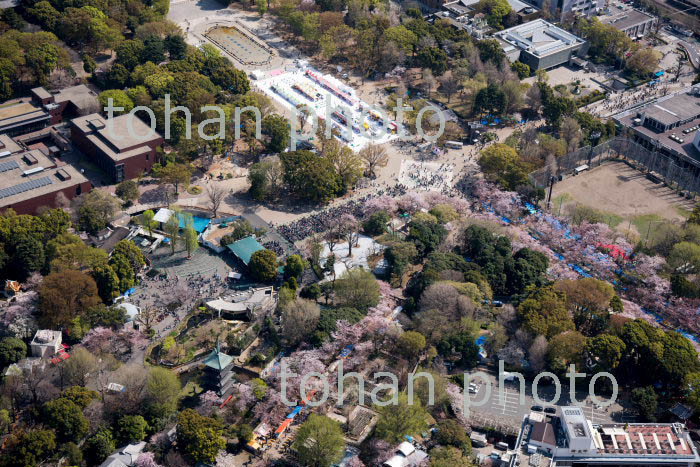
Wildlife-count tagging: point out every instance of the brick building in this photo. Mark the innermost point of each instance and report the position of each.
(123, 150)
(44, 108)
(29, 179)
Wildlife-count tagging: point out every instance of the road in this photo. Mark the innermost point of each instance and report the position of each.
(693, 52)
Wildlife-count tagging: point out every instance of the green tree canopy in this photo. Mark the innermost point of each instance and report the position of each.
(544, 312)
(263, 265)
(64, 296)
(99, 446)
(451, 433)
(131, 428)
(119, 99)
(162, 392)
(501, 163)
(496, 11)
(357, 288)
(277, 129)
(28, 448)
(411, 344)
(80, 396)
(448, 456)
(11, 350)
(319, 442)
(401, 419)
(67, 418)
(426, 235)
(565, 349)
(310, 177)
(604, 352)
(200, 437)
(646, 402)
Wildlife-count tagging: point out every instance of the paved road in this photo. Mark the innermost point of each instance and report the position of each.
(693, 52)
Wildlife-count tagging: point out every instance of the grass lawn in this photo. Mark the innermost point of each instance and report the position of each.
(646, 222)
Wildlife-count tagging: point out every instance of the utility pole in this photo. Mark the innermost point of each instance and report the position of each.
(552, 179)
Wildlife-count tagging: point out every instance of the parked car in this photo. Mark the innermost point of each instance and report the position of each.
(536, 408)
(550, 410)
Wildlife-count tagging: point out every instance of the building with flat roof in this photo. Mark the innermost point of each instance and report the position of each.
(461, 14)
(30, 179)
(562, 8)
(579, 442)
(635, 23)
(21, 117)
(124, 146)
(668, 126)
(46, 343)
(44, 108)
(540, 44)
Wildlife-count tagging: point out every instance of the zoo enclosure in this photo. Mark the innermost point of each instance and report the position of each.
(658, 165)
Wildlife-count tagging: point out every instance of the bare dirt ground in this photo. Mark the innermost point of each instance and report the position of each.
(621, 191)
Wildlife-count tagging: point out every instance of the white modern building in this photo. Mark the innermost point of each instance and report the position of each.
(572, 440)
(46, 343)
(540, 44)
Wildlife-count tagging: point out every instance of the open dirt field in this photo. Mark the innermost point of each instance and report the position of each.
(622, 194)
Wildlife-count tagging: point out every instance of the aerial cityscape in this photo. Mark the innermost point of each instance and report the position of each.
(345, 233)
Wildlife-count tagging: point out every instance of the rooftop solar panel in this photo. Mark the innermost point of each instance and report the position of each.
(9, 165)
(26, 186)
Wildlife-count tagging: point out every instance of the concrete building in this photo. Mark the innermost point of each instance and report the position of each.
(573, 440)
(461, 14)
(124, 147)
(635, 23)
(44, 108)
(29, 179)
(668, 126)
(22, 117)
(251, 303)
(562, 8)
(66, 103)
(540, 44)
(46, 343)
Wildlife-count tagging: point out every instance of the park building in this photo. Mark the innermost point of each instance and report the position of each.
(44, 108)
(124, 146)
(636, 24)
(31, 178)
(564, 8)
(572, 440)
(540, 45)
(461, 14)
(668, 127)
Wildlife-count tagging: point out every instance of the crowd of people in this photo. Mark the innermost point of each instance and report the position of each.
(624, 100)
(320, 221)
(175, 295)
(275, 246)
(427, 175)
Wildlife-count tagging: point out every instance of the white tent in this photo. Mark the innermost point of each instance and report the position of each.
(163, 215)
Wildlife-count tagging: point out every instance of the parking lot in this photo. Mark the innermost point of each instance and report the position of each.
(510, 411)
